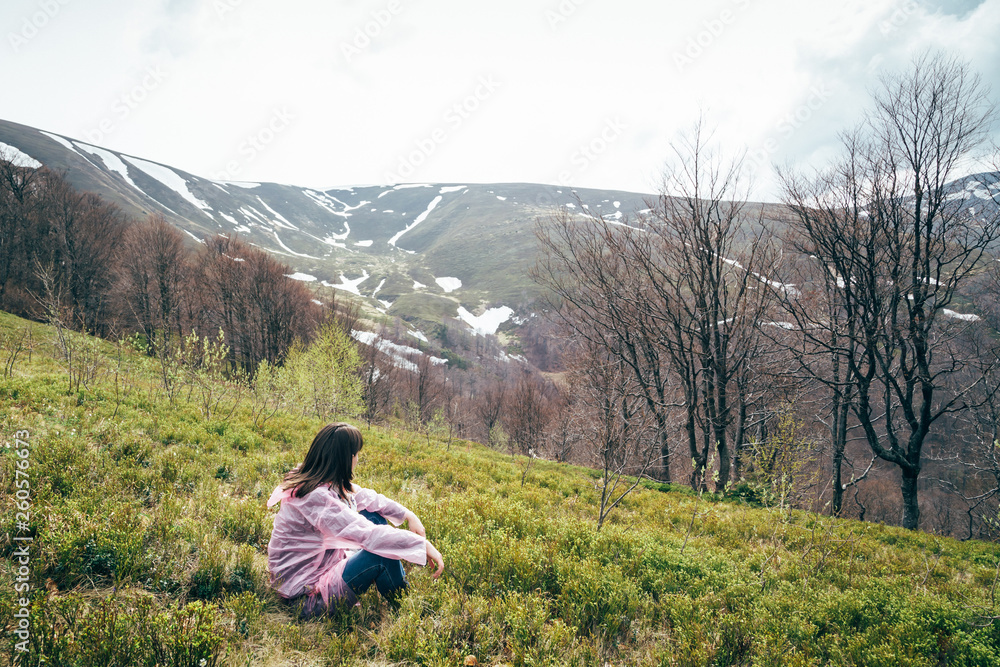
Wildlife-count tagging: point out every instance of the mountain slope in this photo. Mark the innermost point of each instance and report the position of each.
(478, 238)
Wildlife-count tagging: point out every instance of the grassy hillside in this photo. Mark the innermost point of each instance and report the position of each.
(150, 534)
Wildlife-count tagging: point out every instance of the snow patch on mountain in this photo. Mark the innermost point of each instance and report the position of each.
(287, 249)
(18, 157)
(349, 285)
(329, 203)
(400, 354)
(61, 140)
(968, 317)
(420, 218)
(448, 284)
(171, 179)
(452, 188)
(111, 161)
(364, 244)
(281, 219)
(252, 215)
(304, 277)
(488, 322)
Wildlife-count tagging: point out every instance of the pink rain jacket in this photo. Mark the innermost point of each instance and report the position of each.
(306, 553)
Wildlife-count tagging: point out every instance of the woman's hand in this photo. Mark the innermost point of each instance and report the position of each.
(414, 526)
(434, 556)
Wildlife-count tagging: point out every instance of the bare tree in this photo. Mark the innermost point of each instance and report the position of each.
(247, 294)
(427, 386)
(19, 187)
(899, 250)
(488, 403)
(621, 436)
(527, 413)
(379, 377)
(153, 267)
(676, 292)
(88, 229)
(593, 295)
(824, 325)
(563, 434)
(706, 265)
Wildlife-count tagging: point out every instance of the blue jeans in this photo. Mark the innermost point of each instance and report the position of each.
(365, 568)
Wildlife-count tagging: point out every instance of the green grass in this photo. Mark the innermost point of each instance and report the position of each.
(151, 533)
(424, 309)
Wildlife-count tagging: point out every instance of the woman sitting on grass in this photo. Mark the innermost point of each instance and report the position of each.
(323, 517)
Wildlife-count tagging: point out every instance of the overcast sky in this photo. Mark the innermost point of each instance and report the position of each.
(585, 93)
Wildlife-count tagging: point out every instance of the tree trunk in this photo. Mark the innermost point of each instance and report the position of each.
(911, 510)
(697, 461)
(841, 408)
(724, 461)
(664, 451)
(740, 440)
(838, 486)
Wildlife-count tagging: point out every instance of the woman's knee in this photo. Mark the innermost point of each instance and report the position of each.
(374, 517)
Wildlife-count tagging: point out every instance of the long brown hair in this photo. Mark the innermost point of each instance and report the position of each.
(327, 461)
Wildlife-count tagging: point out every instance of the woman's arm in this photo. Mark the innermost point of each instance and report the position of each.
(414, 525)
(434, 556)
(328, 514)
(366, 499)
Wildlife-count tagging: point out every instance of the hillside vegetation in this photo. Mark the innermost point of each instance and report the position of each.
(150, 534)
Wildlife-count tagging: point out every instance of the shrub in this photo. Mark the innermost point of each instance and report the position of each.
(322, 378)
(111, 632)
